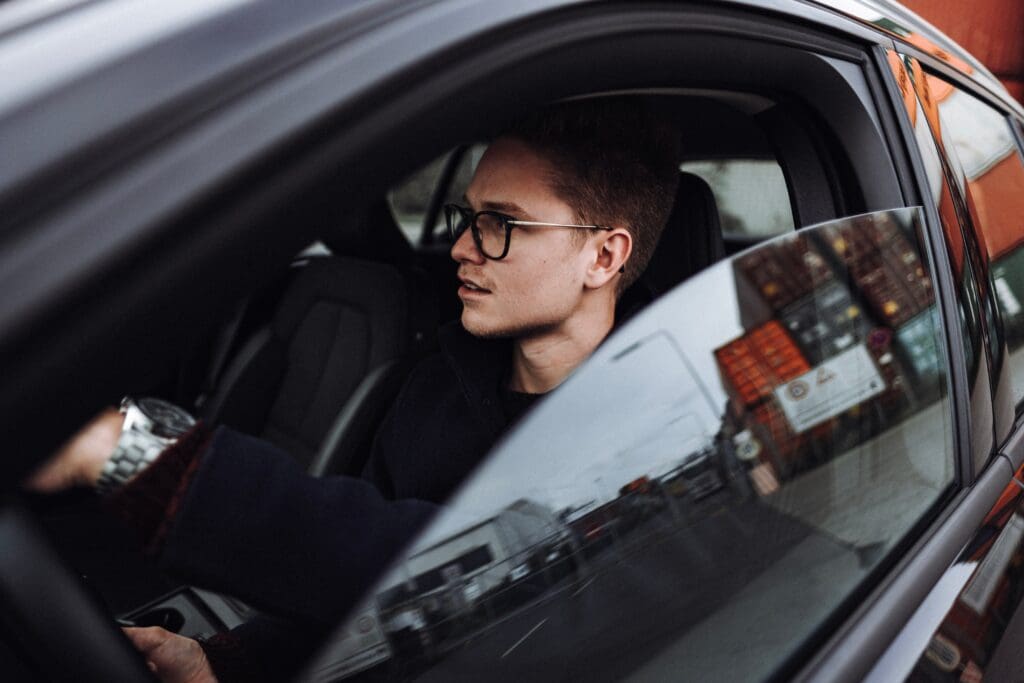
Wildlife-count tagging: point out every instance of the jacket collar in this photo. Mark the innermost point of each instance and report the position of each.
(480, 365)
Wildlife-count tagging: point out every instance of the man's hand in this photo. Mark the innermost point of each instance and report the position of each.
(80, 460)
(173, 658)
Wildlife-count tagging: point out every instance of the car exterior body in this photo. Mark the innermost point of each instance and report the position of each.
(162, 162)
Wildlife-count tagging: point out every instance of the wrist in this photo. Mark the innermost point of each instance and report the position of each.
(148, 427)
(97, 446)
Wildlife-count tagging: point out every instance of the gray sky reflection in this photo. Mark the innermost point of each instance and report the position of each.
(636, 407)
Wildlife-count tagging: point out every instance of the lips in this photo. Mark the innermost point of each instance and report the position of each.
(469, 285)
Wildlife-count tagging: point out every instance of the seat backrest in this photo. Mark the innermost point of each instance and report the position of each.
(690, 242)
(319, 376)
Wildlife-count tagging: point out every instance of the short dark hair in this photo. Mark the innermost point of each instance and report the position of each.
(616, 162)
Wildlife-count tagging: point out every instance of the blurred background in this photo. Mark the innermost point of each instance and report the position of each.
(991, 30)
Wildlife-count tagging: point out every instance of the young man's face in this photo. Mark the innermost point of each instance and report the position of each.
(538, 286)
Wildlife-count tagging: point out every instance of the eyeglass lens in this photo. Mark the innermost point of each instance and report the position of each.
(490, 233)
(488, 229)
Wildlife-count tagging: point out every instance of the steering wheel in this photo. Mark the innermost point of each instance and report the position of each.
(52, 626)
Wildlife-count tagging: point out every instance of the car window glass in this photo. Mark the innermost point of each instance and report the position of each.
(707, 490)
(952, 213)
(410, 199)
(752, 198)
(994, 172)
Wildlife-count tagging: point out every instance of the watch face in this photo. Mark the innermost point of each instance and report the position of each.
(168, 419)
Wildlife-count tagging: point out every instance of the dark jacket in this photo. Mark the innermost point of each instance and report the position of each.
(253, 524)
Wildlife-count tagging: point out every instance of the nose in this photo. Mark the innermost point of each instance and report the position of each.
(464, 250)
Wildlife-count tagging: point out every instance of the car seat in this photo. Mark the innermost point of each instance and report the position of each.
(691, 241)
(318, 377)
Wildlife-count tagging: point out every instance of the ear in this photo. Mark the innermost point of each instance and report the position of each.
(612, 251)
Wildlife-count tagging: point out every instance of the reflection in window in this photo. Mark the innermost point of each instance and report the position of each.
(704, 492)
(952, 213)
(994, 171)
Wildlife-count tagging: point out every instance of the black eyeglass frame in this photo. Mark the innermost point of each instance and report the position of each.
(468, 217)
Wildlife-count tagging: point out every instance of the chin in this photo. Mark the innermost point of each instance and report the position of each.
(501, 329)
(483, 329)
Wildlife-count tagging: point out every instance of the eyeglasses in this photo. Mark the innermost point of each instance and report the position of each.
(492, 231)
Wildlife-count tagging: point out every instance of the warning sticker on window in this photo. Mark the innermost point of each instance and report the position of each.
(830, 389)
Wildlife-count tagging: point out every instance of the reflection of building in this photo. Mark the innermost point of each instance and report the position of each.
(988, 29)
(454, 588)
(841, 340)
(464, 566)
(980, 140)
(457, 586)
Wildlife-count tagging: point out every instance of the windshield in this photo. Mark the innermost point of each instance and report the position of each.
(705, 493)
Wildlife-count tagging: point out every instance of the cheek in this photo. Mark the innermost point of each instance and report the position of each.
(548, 283)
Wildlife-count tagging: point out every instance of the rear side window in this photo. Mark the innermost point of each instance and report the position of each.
(753, 202)
(410, 200)
(983, 142)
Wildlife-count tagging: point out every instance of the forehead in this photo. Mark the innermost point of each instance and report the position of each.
(511, 172)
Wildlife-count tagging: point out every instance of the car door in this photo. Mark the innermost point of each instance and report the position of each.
(718, 485)
(969, 625)
(191, 186)
(945, 339)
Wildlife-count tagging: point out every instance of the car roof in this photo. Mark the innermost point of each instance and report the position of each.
(50, 45)
(48, 20)
(899, 22)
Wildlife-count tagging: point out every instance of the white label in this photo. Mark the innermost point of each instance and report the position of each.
(829, 389)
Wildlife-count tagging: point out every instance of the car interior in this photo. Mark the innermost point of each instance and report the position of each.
(312, 358)
(312, 354)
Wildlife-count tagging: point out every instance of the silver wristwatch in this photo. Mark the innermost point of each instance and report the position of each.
(151, 425)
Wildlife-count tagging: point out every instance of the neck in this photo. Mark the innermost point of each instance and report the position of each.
(542, 361)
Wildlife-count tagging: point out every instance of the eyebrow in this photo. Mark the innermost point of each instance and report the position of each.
(504, 207)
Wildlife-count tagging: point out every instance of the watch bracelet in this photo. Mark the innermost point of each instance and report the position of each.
(135, 452)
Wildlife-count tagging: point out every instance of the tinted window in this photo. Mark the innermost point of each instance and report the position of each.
(410, 200)
(945, 193)
(752, 198)
(709, 488)
(994, 172)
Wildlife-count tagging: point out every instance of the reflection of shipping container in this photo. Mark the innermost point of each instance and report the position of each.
(829, 322)
(753, 365)
(785, 271)
(787, 451)
(885, 267)
(893, 401)
(774, 431)
(917, 344)
(826, 323)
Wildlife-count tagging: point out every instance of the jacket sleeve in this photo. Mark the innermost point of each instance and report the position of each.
(255, 525)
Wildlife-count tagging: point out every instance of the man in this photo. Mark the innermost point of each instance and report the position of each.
(564, 212)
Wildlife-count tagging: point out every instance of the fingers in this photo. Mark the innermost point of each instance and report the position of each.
(80, 459)
(148, 638)
(50, 478)
(173, 658)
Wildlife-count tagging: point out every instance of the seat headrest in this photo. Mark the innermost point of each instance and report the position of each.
(370, 233)
(690, 242)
